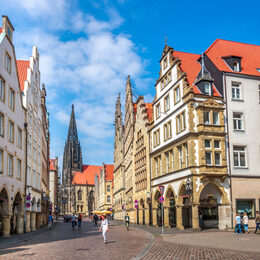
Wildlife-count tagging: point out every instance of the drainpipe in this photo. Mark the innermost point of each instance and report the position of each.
(228, 150)
(25, 175)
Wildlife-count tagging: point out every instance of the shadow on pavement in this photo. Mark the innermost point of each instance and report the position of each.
(60, 231)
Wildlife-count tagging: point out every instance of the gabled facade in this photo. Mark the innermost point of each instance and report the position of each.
(235, 68)
(29, 77)
(119, 174)
(188, 154)
(12, 137)
(142, 188)
(128, 150)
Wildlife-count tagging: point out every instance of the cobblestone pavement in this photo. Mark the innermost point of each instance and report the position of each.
(165, 250)
(87, 243)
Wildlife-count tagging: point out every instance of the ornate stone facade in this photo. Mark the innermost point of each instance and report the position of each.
(188, 153)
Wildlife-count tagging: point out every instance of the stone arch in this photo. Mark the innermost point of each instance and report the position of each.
(157, 195)
(181, 192)
(18, 203)
(223, 195)
(169, 193)
(38, 205)
(4, 201)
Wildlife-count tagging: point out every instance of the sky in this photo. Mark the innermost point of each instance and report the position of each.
(88, 48)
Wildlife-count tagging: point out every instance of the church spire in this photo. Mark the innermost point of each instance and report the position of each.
(73, 133)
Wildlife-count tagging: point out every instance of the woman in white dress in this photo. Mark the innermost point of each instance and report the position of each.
(104, 228)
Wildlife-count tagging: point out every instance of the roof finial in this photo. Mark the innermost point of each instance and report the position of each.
(202, 65)
(72, 107)
(165, 41)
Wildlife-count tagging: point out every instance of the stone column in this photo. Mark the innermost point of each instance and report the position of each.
(28, 221)
(154, 218)
(166, 217)
(195, 217)
(6, 226)
(38, 220)
(179, 222)
(141, 216)
(147, 216)
(33, 221)
(19, 226)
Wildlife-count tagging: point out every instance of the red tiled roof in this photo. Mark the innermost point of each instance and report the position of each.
(250, 56)
(109, 170)
(87, 176)
(22, 66)
(190, 65)
(52, 165)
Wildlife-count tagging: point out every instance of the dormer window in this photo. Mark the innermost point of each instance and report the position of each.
(236, 65)
(165, 62)
(207, 88)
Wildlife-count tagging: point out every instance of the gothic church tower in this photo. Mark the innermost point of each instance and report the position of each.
(72, 156)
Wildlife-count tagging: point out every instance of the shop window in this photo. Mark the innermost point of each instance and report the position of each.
(246, 205)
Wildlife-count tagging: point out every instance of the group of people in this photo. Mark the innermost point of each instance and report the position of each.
(242, 222)
(76, 221)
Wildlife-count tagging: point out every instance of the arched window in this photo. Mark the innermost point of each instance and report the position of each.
(79, 195)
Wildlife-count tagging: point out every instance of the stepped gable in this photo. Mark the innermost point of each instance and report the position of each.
(249, 54)
(87, 176)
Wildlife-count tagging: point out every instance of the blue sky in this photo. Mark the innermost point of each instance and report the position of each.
(87, 49)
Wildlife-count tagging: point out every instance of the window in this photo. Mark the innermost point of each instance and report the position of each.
(2, 90)
(9, 32)
(156, 167)
(167, 161)
(215, 118)
(19, 167)
(238, 121)
(236, 65)
(19, 138)
(239, 153)
(10, 164)
(79, 195)
(172, 156)
(207, 88)
(183, 122)
(158, 111)
(11, 99)
(217, 158)
(206, 117)
(11, 132)
(108, 198)
(187, 155)
(178, 122)
(207, 144)
(208, 158)
(177, 94)
(170, 77)
(8, 62)
(156, 137)
(108, 188)
(180, 157)
(216, 144)
(247, 206)
(165, 63)
(167, 103)
(1, 124)
(236, 91)
(1, 161)
(167, 130)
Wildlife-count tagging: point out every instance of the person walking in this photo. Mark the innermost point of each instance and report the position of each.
(245, 222)
(127, 221)
(104, 228)
(79, 221)
(95, 219)
(257, 221)
(238, 224)
(73, 221)
(50, 222)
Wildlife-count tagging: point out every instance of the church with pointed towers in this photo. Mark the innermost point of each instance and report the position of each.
(78, 179)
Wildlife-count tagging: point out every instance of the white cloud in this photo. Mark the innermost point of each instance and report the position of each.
(89, 69)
